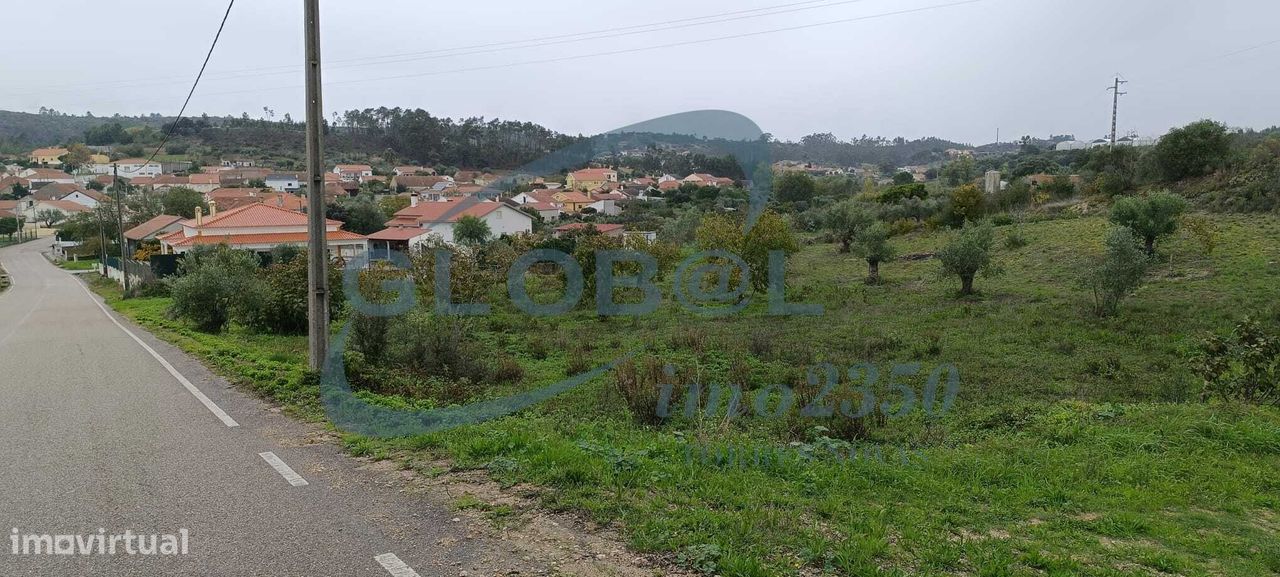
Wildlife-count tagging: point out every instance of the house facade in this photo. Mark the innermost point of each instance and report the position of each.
(590, 178)
(413, 224)
(48, 156)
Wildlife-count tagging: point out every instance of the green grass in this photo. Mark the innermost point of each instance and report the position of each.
(78, 265)
(1078, 445)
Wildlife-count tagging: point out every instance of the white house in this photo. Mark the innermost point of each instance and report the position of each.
(129, 167)
(353, 172)
(413, 224)
(283, 182)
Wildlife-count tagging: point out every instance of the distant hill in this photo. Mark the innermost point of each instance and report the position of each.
(417, 136)
(23, 130)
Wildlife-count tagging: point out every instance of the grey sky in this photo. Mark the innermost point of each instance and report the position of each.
(1026, 66)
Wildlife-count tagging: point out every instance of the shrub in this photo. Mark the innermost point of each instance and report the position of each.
(217, 284)
(1116, 274)
(1015, 239)
(1151, 217)
(639, 382)
(1194, 150)
(369, 335)
(967, 203)
(969, 253)
(283, 307)
(771, 233)
(1244, 365)
(435, 345)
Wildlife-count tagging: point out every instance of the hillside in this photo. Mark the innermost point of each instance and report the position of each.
(22, 131)
(1077, 445)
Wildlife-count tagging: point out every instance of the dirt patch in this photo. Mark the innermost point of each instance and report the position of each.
(511, 534)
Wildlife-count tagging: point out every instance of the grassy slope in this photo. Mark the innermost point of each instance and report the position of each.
(1066, 453)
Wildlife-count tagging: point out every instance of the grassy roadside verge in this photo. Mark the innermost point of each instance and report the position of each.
(1017, 483)
(78, 265)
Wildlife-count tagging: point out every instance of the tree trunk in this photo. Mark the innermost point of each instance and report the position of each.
(845, 245)
(873, 272)
(1151, 245)
(966, 284)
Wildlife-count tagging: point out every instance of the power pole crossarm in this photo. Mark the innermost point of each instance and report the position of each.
(317, 247)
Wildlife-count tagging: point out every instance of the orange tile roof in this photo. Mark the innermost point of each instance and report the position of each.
(592, 174)
(443, 211)
(255, 215)
(205, 178)
(400, 233)
(65, 205)
(151, 227)
(250, 239)
(575, 226)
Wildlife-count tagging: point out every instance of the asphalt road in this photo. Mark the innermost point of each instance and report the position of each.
(98, 434)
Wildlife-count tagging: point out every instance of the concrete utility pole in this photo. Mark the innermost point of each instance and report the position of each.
(317, 247)
(115, 186)
(1115, 106)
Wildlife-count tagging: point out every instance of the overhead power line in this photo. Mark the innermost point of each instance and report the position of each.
(493, 47)
(174, 125)
(615, 52)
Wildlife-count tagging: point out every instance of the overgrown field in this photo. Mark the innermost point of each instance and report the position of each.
(1077, 445)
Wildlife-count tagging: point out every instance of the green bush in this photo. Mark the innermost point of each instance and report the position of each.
(282, 309)
(1244, 365)
(216, 285)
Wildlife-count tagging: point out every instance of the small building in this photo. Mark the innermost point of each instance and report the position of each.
(48, 156)
(439, 218)
(282, 182)
(590, 178)
(353, 172)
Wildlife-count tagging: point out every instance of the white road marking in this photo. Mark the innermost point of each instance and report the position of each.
(213, 408)
(285, 471)
(395, 566)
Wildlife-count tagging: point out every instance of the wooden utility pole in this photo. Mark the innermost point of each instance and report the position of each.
(317, 247)
(115, 187)
(1115, 106)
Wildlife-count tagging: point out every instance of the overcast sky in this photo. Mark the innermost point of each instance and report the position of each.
(936, 67)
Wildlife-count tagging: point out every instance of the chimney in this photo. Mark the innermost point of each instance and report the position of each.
(213, 209)
(199, 217)
(413, 199)
(280, 201)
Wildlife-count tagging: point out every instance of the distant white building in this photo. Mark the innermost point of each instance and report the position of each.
(129, 167)
(283, 182)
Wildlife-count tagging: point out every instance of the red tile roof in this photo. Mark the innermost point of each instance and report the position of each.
(443, 211)
(151, 227)
(65, 205)
(255, 215)
(576, 226)
(399, 233)
(251, 239)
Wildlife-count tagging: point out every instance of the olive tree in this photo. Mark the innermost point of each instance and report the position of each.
(845, 220)
(1151, 217)
(872, 244)
(1117, 273)
(968, 253)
